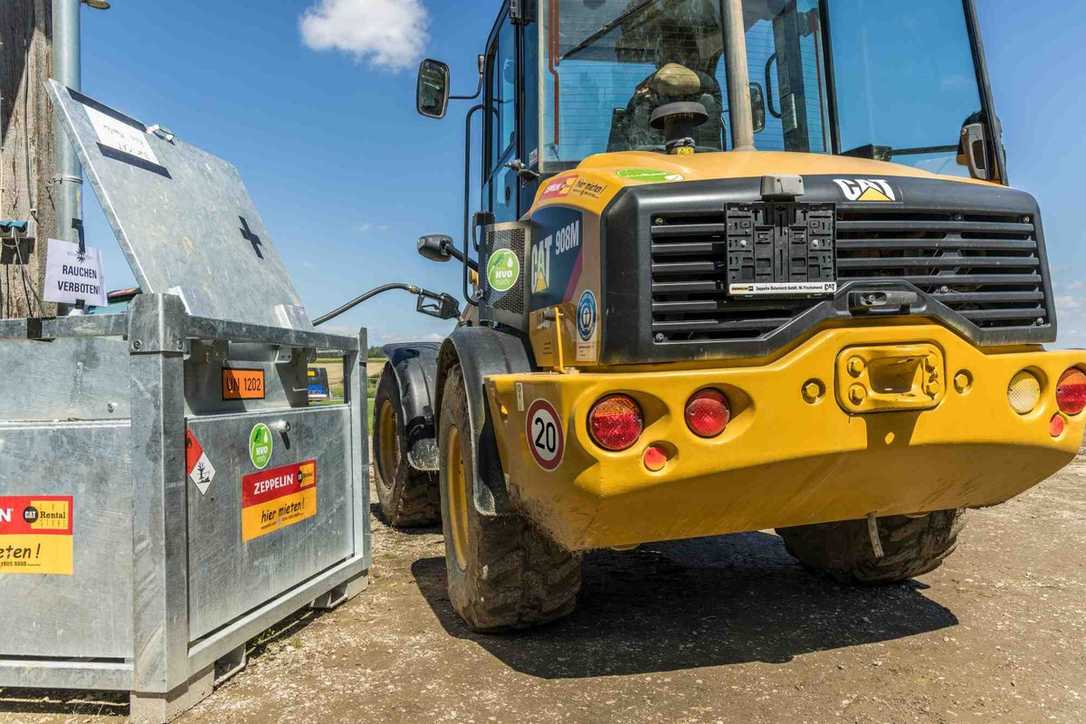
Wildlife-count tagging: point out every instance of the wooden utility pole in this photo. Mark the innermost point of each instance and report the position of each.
(27, 163)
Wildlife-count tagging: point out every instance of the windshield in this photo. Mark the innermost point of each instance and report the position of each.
(903, 72)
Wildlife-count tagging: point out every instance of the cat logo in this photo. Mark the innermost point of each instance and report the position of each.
(866, 189)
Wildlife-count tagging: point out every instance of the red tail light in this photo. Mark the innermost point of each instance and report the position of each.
(615, 422)
(708, 413)
(1071, 392)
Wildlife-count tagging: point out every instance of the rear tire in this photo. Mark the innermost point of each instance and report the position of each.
(503, 573)
(911, 546)
(409, 498)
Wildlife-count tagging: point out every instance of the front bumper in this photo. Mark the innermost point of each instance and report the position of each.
(784, 460)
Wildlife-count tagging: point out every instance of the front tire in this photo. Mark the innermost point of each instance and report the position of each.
(911, 546)
(408, 498)
(502, 572)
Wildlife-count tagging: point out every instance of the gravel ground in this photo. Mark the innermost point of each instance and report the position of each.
(721, 629)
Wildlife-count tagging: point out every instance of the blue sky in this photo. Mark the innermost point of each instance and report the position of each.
(319, 117)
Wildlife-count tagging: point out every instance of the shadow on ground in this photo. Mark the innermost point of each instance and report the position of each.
(690, 604)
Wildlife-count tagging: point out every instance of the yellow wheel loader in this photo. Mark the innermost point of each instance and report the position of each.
(735, 265)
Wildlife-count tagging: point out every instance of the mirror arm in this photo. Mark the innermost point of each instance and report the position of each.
(478, 92)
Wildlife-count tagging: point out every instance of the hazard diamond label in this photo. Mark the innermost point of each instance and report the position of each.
(197, 464)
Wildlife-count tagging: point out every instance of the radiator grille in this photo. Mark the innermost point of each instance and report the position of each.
(690, 299)
(984, 265)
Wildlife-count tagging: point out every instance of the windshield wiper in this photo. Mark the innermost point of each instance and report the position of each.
(887, 153)
(608, 27)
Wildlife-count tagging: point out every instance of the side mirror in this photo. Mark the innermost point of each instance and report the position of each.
(757, 107)
(432, 93)
(436, 247)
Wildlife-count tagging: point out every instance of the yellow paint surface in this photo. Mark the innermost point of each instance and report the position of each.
(784, 460)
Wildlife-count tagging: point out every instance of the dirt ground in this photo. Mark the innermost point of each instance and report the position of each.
(723, 629)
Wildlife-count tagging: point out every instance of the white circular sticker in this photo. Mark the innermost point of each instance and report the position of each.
(545, 437)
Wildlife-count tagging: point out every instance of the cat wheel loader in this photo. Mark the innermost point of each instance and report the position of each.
(736, 265)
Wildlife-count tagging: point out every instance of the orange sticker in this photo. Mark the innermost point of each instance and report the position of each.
(36, 535)
(275, 499)
(242, 384)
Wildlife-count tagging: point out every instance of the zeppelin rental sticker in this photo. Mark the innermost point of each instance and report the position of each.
(275, 499)
(36, 535)
(197, 464)
(239, 384)
(545, 437)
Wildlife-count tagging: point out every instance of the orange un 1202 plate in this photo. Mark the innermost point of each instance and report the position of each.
(242, 384)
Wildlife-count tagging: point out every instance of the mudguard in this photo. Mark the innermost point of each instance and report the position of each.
(414, 366)
(482, 352)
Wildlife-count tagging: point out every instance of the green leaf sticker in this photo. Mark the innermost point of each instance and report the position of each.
(503, 270)
(260, 446)
(649, 175)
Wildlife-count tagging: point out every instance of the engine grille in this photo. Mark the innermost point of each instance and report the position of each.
(984, 265)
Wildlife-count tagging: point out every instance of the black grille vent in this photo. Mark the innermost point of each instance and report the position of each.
(986, 266)
(690, 300)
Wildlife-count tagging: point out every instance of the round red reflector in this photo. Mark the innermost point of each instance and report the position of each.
(615, 422)
(1057, 425)
(708, 413)
(655, 458)
(1071, 391)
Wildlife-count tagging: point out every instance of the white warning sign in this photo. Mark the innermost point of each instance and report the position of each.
(121, 136)
(198, 464)
(73, 275)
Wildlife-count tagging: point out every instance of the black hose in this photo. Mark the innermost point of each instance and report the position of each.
(410, 288)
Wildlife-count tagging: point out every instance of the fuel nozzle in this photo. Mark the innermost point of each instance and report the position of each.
(678, 122)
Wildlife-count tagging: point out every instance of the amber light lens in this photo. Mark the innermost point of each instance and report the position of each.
(1024, 392)
(1071, 392)
(708, 413)
(616, 423)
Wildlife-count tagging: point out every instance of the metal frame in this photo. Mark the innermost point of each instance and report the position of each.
(167, 672)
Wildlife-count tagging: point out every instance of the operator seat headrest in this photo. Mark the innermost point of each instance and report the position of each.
(676, 80)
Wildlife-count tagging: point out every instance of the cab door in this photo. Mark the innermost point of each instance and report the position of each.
(501, 193)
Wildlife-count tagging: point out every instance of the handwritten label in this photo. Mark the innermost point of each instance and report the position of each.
(120, 136)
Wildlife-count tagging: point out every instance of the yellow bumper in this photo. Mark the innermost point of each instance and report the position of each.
(788, 457)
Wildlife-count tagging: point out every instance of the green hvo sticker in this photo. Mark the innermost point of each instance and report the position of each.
(503, 270)
(260, 446)
(649, 175)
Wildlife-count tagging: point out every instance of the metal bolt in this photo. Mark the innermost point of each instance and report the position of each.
(111, 406)
(137, 345)
(813, 391)
(180, 344)
(963, 381)
(855, 366)
(660, 338)
(857, 394)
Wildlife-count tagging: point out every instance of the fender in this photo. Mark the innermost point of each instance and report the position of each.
(414, 366)
(482, 352)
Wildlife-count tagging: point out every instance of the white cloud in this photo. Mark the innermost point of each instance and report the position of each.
(389, 33)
